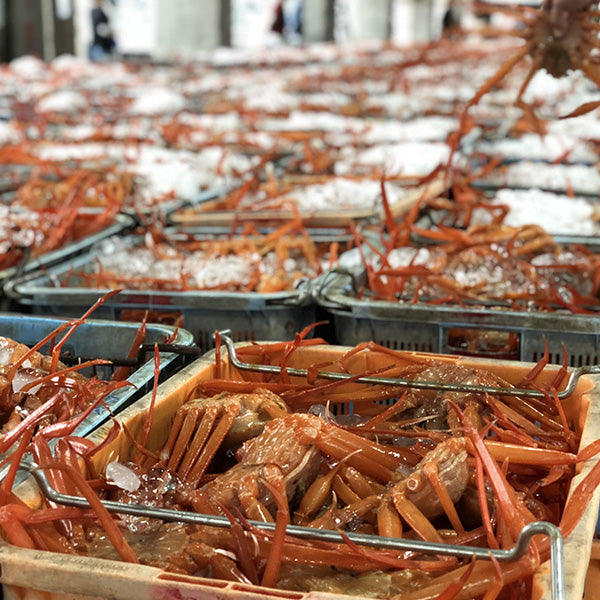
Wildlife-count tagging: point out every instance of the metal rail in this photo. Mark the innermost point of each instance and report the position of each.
(414, 546)
(409, 383)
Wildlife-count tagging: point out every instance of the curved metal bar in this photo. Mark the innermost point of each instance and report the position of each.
(413, 546)
(409, 383)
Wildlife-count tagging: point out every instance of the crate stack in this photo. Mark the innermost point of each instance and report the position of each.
(300, 196)
(230, 146)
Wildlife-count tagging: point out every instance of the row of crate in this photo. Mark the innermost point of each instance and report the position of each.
(333, 297)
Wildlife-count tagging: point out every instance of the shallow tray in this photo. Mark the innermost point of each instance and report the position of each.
(250, 315)
(332, 218)
(102, 339)
(437, 328)
(122, 223)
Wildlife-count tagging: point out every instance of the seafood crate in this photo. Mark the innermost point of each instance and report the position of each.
(250, 315)
(517, 335)
(31, 575)
(569, 219)
(167, 208)
(317, 199)
(103, 339)
(122, 223)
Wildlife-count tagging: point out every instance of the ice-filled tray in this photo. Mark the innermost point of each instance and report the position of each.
(582, 180)
(465, 326)
(321, 201)
(265, 314)
(121, 223)
(569, 218)
(109, 340)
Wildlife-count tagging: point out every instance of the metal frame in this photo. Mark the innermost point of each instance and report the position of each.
(432, 548)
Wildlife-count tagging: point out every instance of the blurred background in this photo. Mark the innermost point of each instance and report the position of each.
(166, 29)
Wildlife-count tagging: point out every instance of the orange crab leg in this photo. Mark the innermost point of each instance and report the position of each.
(431, 472)
(148, 420)
(416, 519)
(456, 586)
(361, 485)
(318, 492)
(105, 518)
(15, 458)
(539, 367)
(526, 455)
(483, 504)
(527, 109)
(181, 434)
(11, 517)
(513, 512)
(271, 572)
(338, 443)
(502, 72)
(76, 324)
(344, 491)
(14, 366)
(386, 414)
(578, 500)
(212, 445)
(517, 417)
(389, 523)
(54, 375)
(8, 440)
(61, 429)
(245, 549)
(123, 372)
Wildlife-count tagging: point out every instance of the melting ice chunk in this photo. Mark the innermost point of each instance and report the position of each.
(122, 476)
(22, 378)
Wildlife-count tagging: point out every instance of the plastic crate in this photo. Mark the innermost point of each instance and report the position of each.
(592, 580)
(103, 339)
(431, 218)
(249, 315)
(121, 224)
(168, 207)
(444, 329)
(29, 575)
(209, 213)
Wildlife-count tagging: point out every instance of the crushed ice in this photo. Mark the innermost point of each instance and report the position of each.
(122, 476)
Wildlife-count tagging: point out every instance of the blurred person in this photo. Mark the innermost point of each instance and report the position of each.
(278, 19)
(561, 13)
(451, 20)
(287, 21)
(293, 20)
(103, 44)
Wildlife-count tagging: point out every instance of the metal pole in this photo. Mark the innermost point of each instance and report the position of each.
(48, 42)
(225, 23)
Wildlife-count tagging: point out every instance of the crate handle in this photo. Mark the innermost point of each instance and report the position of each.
(18, 279)
(164, 514)
(321, 283)
(301, 297)
(408, 383)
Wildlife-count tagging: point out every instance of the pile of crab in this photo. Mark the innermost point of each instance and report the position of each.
(168, 260)
(468, 468)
